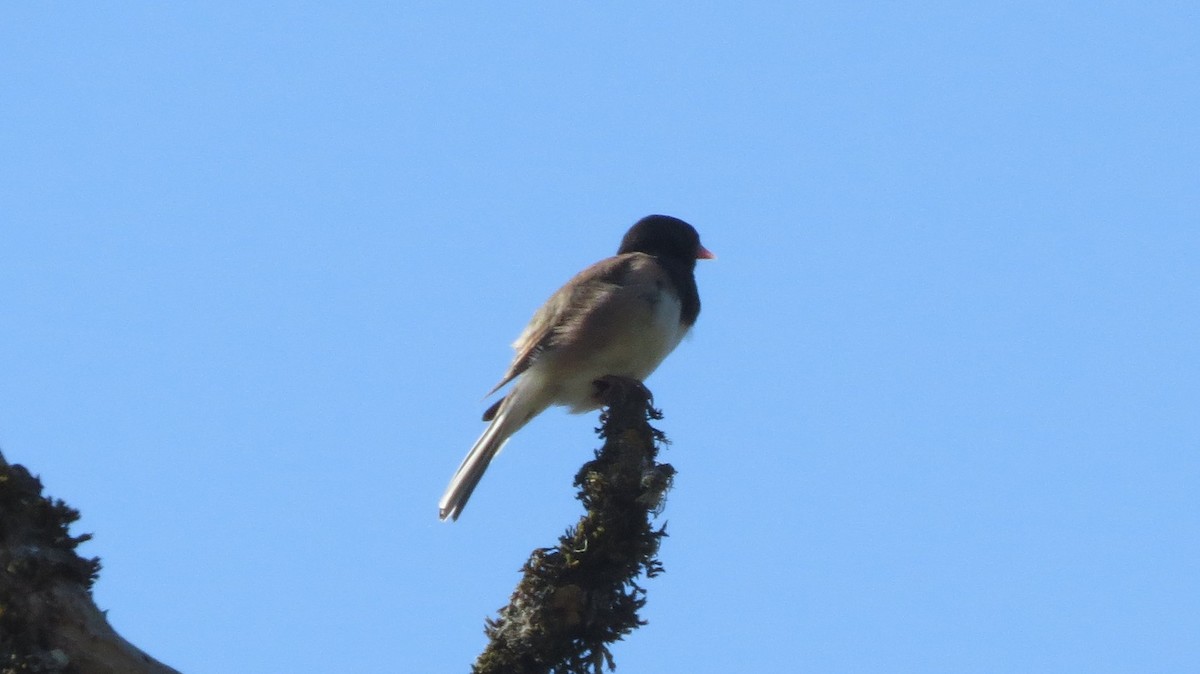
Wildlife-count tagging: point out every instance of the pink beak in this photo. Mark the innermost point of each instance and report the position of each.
(705, 254)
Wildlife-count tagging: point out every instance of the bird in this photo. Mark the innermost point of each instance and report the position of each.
(619, 317)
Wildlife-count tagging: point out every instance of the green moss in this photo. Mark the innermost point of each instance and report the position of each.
(578, 598)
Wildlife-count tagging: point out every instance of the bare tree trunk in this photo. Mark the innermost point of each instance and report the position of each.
(576, 599)
(48, 621)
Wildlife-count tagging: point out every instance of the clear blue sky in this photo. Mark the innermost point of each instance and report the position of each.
(940, 413)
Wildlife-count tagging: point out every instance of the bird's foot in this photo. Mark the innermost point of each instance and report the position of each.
(611, 387)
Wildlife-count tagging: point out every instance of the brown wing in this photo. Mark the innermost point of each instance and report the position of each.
(565, 307)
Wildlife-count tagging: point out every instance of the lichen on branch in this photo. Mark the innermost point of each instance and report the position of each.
(577, 598)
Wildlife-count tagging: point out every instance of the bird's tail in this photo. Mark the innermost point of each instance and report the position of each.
(513, 413)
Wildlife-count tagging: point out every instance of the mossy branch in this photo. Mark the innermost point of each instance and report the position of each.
(579, 597)
(48, 621)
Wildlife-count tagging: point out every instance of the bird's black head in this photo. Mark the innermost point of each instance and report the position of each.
(664, 236)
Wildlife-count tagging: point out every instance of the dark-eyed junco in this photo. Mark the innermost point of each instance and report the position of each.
(620, 316)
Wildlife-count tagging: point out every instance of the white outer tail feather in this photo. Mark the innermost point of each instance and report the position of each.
(515, 411)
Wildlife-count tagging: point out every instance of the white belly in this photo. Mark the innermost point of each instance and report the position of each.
(633, 352)
(658, 339)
